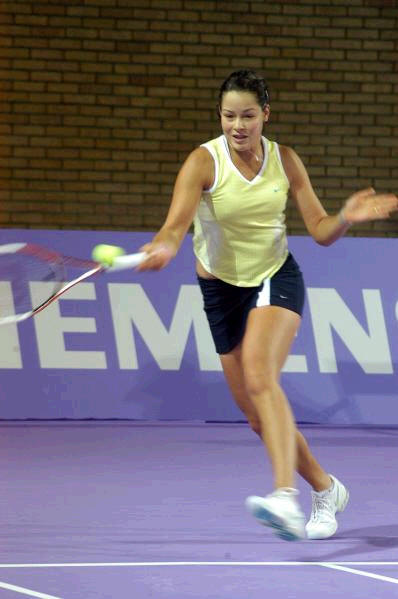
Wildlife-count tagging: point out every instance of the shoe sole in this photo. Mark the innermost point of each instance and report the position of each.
(268, 518)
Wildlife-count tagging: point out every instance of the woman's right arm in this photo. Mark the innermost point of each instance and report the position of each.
(195, 175)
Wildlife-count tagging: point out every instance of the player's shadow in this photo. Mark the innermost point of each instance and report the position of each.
(362, 541)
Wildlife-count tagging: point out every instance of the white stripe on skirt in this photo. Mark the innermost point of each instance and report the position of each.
(264, 295)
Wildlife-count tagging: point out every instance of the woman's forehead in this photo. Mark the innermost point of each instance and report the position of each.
(243, 100)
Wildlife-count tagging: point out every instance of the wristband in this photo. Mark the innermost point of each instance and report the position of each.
(342, 219)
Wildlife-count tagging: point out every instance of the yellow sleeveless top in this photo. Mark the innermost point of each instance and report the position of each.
(239, 227)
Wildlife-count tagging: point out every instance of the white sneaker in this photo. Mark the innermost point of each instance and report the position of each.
(280, 511)
(322, 523)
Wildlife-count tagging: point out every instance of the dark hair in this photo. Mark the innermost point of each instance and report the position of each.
(248, 81)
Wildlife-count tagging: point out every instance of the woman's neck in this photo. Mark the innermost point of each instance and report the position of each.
(248, 156)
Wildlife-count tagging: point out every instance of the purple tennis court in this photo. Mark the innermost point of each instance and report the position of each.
(123, 509)
(118, 481)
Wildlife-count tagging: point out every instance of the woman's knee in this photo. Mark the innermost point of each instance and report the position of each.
(259, 373)
(259, 382)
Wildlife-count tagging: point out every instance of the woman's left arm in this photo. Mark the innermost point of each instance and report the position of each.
(364, 205)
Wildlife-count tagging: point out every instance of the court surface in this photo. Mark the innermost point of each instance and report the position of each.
(156, 510)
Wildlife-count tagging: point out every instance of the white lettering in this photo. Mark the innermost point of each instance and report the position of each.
(51, 326)
(131, 306)
(296, 363)
(328, 311)
(10, 351)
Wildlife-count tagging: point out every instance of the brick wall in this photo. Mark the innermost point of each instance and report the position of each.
(103, 99)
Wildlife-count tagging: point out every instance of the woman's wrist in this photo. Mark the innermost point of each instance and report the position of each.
(342, 219)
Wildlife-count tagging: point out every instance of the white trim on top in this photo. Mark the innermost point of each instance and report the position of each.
(216, 167)
(278, 153)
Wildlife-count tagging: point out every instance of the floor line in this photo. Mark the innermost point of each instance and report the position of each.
(195, 563)
(361, 573)
(24, 591)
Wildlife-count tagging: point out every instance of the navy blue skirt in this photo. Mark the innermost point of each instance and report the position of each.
(227, 306)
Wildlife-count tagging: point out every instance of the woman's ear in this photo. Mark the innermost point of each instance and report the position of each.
(266, 112)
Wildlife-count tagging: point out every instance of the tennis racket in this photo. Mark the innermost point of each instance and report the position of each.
(23, 263)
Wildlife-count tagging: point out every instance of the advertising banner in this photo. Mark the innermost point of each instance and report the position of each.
(133, 345)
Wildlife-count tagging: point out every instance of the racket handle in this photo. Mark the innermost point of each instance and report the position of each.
(126, 261)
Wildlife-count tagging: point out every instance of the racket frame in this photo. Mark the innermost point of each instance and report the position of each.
(119, 263)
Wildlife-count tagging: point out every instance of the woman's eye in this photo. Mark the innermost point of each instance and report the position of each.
(231, 117)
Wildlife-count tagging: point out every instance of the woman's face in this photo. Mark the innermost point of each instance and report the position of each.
(242, 120)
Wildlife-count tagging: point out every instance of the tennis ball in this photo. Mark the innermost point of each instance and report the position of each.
(105, 254)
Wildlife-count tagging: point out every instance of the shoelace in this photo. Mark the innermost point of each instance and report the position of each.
(319, 507)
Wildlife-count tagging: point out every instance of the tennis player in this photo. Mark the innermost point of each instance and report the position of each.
(234, 189)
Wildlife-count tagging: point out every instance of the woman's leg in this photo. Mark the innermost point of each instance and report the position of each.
(269, 333)
(268, 337)
(309, 468)
(307, 465)
(255, 387)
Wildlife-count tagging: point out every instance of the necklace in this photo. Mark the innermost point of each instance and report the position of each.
(257, 158)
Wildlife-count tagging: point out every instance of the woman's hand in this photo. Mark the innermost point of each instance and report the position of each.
(158, 256)
(367, 205)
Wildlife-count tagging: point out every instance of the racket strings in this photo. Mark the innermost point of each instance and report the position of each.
(51, 257)
(19, 274)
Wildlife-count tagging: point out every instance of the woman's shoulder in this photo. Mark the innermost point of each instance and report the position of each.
(199, 166)
(208, 152)
(201, 155)
(292, 163)
(286, 151)
(288, 155)
(215, 144)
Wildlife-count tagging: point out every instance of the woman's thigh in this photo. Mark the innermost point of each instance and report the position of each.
(269, 334)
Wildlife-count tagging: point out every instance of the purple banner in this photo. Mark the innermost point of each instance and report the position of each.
(137, 345)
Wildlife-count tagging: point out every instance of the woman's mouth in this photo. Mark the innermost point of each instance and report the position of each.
(239, 138)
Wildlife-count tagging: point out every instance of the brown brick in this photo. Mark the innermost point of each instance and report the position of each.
(104, 102)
